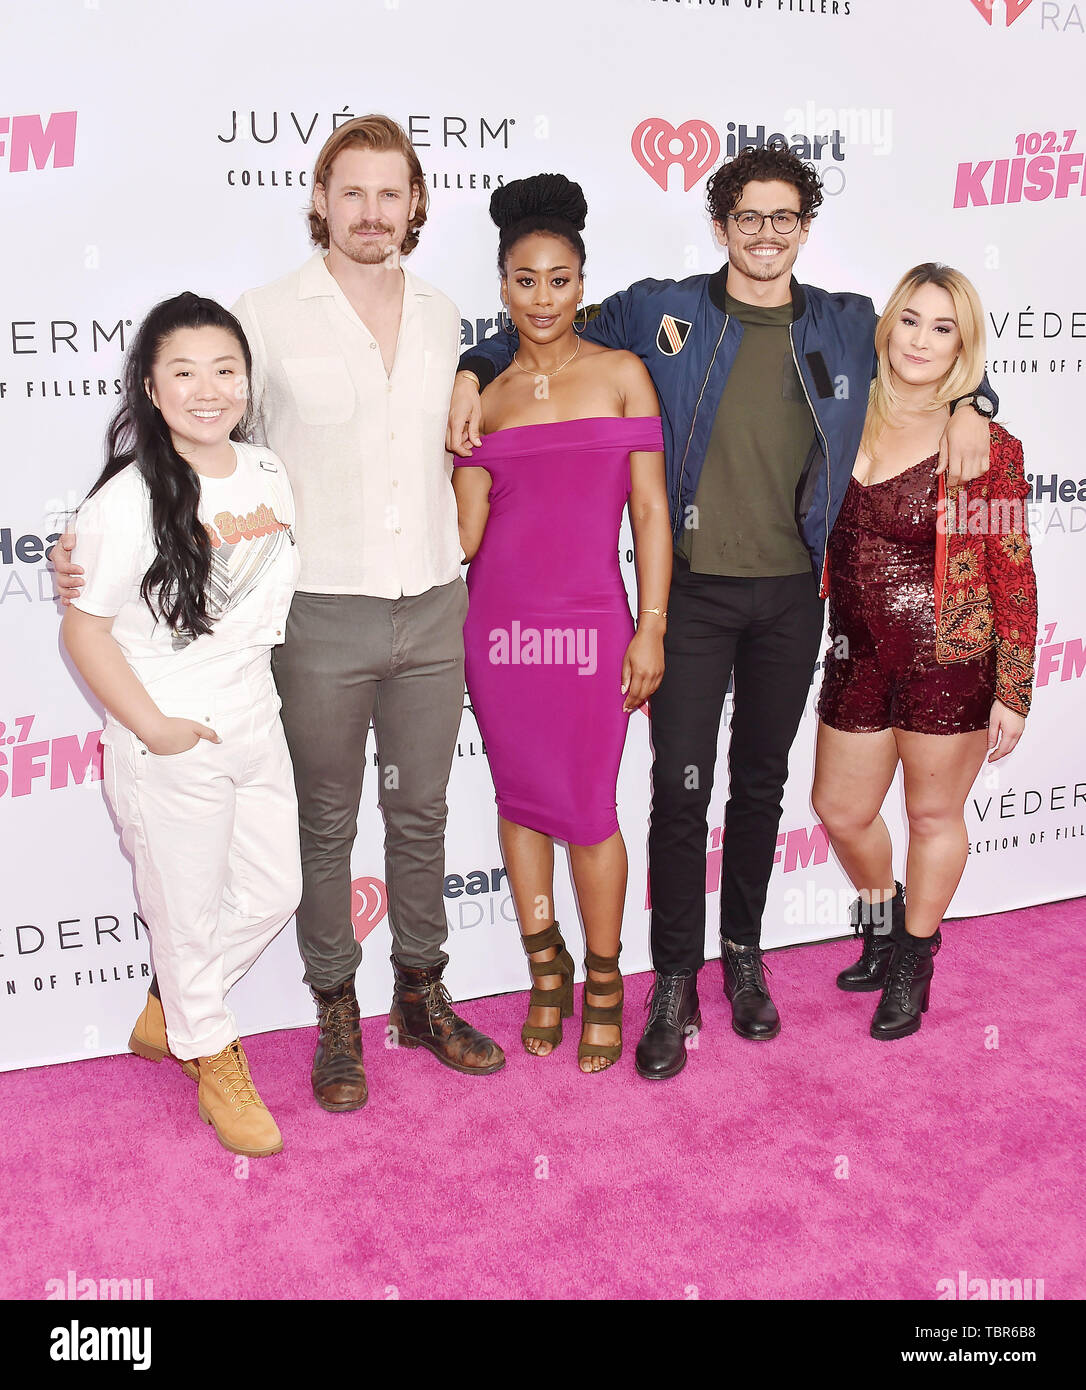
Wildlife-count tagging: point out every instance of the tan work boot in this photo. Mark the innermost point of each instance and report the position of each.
(229, 1101)
(149, 1036)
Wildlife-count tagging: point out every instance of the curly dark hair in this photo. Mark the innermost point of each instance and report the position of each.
(764, 163)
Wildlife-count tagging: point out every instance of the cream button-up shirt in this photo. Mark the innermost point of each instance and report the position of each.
(364, 451)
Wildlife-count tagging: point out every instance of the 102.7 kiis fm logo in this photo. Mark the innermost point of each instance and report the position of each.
(39, 141)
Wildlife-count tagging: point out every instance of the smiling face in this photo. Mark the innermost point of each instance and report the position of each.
(367, 203)
(925, 341)
(769, 253)
(199, 385)
(542, 286)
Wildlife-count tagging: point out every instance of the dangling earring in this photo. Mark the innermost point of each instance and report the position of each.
(584, 310)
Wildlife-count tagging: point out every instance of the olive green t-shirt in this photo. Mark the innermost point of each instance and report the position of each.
(746, 498)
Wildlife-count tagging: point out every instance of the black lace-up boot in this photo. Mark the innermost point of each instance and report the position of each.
(875, 921)
(908, 986)
(674, 1015)
(754, 1015)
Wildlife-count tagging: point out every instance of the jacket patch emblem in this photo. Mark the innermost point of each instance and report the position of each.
(672, 334)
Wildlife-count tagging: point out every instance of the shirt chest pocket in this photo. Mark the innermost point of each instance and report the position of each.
(322, 389)
(439, 368)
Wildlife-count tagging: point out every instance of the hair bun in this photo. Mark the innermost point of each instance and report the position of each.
(542, 195)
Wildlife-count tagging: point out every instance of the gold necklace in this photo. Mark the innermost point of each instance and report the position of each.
(566, 363)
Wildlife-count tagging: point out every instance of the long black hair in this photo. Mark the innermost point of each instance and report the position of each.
(542, 203)
(174, 587)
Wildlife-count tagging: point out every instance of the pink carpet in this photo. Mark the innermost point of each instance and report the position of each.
(540, 1182)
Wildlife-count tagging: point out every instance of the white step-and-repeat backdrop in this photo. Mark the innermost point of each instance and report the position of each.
(146, 149)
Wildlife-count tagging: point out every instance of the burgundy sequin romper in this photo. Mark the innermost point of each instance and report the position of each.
(882, 603)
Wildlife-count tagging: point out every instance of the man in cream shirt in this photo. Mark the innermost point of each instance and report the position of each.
(353, 363)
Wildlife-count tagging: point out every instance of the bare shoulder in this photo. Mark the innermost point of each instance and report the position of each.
(620, 365)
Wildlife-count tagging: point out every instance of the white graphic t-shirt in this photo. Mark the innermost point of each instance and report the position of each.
(249, 518)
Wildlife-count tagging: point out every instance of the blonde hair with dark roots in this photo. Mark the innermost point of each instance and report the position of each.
(370, 133)
(964, 376)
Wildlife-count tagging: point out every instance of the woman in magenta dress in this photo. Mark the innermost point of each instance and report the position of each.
(555, 663)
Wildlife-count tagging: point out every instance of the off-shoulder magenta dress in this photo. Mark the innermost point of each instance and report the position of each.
(549, 622)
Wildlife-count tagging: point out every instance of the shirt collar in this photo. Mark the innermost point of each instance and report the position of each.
(315, 280)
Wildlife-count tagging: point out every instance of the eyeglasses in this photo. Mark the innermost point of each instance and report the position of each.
(751, 222)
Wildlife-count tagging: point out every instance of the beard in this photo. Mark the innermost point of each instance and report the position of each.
(367, 252)
(759, 270)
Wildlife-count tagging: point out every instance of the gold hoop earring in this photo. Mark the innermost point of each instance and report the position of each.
(584, 325)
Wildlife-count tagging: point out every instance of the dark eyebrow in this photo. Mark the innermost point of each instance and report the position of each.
(227, 357)
(532, 270)
(939, 320)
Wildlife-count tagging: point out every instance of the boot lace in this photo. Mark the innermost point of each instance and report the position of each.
(230, 1071)
(338, 1021)
(748, 966)
(439, 1006)
(664, 994)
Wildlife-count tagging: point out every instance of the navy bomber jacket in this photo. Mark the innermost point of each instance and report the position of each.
(680, 330)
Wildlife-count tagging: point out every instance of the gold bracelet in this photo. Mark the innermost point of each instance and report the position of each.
(654, 610)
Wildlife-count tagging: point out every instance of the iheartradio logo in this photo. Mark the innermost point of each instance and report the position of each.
(1014, 8)
(369, 904)
(657, 145)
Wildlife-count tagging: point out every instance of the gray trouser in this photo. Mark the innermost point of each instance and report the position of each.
(349, 659)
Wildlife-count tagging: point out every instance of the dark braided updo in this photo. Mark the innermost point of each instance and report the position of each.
(542, 203)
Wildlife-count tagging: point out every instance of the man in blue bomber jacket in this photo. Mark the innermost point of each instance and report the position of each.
(763, 387)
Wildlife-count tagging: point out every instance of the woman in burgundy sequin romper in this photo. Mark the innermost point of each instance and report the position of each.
(932, 624)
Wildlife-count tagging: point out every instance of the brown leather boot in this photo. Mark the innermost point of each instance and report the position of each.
(339, 1082)
(149, 1035)
(422, 1016)
(229, 1101)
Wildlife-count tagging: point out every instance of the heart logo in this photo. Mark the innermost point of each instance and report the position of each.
(657, 145)
(1014, 8)
(369, 903)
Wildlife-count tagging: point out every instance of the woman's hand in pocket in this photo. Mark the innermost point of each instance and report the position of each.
(178, 736)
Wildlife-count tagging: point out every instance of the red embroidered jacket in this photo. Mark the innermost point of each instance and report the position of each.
(985, 589)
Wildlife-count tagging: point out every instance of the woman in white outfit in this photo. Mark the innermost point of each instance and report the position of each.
(190, 559)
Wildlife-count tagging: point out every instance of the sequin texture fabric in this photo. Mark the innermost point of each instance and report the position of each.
(881, 670)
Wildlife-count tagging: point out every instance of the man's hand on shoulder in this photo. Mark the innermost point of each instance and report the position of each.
(68, 581)
(965, 447)
(465, 416)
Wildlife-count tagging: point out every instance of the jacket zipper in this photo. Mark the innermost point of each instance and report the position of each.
(826, 451)
(694, 420)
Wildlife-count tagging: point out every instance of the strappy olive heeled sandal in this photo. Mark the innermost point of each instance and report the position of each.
(560, 997)
(593, 1013)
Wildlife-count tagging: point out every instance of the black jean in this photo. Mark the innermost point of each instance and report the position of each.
(766, 633)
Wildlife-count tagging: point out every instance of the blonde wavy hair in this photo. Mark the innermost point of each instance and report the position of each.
(371, 133)
(967, 371)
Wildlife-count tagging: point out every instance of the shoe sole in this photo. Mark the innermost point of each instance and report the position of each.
(141, 1048)
(233, 1148)
(338, 1107)
(867, 988)
(410, 1043)
(901, 1033)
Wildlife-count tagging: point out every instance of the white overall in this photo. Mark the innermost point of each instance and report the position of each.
(212, 831)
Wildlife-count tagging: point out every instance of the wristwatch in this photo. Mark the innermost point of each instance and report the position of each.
(981, 404)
